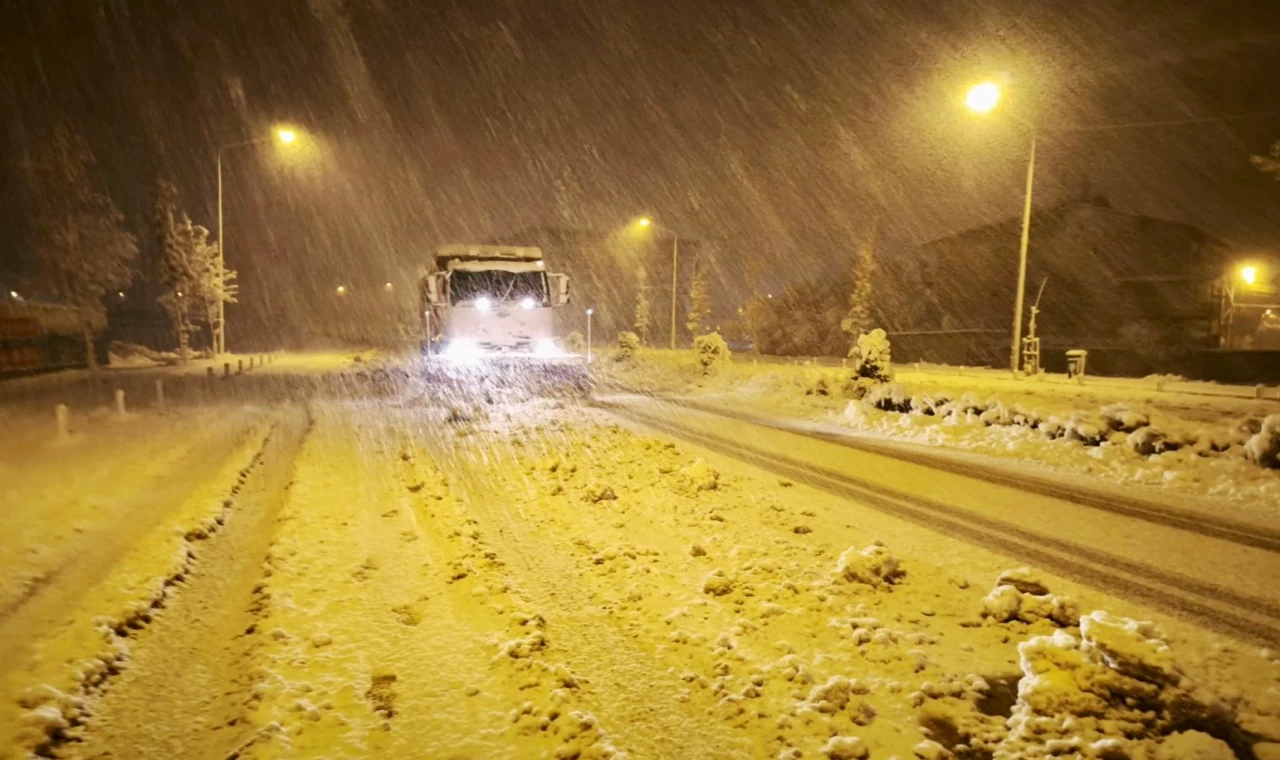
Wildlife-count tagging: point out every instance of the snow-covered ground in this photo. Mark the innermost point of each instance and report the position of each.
(1191, 419)
(401, 577)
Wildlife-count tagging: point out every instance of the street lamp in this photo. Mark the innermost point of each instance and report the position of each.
(286, 137)
(589, 313)
(341, 290)
(645, 221)
(983, 99)
(1249, 274)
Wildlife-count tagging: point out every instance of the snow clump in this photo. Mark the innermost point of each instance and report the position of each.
(1112, 692)
(1263, 449)
(1021, 595)
(700, 477)
(717, 583)
(872, 566)
(845, 748)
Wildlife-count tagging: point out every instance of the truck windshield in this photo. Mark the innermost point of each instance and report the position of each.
(500, 286)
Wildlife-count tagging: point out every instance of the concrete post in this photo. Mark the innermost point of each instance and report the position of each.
(226, 369)
(239, 366)
(120, 402)
(1259, 391)
(62, 416)
(208, 373)
(160, 393)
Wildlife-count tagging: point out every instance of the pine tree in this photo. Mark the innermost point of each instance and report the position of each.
(643, 316)
(858, 320)
(80, 241)
(699, 303)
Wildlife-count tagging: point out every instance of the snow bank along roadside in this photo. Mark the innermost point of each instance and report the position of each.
(47, 696)
(60, 494)
(1221, 448)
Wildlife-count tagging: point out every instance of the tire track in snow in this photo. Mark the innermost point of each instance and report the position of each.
(187, 686)
(628, 683)
(1212, 606)
(1193, 522)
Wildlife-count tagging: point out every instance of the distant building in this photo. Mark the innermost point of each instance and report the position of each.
(1137, 292)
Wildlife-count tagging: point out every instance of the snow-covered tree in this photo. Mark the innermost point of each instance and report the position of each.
(188, 270)
(195, 281)
(872, 357)
(80, 240)
(176, 269)
(217, 286)
(699, 303)
(858, 320)
(643, 316)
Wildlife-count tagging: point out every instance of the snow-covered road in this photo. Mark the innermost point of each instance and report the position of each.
(1218, 571)
(398, 577)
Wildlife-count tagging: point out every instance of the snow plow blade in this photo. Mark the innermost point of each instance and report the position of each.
(497, 379)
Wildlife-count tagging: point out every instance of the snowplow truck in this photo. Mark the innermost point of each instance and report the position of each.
(489, 321)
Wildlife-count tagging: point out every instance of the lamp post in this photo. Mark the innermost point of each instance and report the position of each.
(589, 313)
(983, 99)
(286, 137)
(645, 221)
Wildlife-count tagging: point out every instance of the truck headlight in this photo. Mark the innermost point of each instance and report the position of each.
(527, 303)
(483, 303)
(546, 347)
(462, 350)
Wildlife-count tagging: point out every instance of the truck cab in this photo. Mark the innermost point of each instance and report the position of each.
(481, 300)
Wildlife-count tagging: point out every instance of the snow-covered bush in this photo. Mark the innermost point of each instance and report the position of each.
(628, 344)
(890, 397)
(871, 357)
(713, 352)
(928, 404)
(1263, 448)
(1123, 418)
(574, 343)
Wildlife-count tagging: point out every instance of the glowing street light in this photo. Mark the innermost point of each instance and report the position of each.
(387, 286)
(983, 98)
(645, 222)
(1249, 273)
(286, 137)
(14, 295)
(340, 290)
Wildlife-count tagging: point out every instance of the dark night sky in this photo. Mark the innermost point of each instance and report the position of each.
(776, 127)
